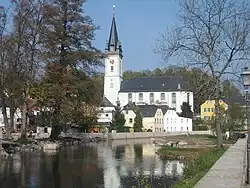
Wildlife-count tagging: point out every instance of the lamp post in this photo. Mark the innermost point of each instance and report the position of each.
(246, 81)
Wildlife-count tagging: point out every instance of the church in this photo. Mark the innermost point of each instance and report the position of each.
(171, 91)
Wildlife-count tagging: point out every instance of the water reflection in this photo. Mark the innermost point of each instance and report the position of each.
(108, 164)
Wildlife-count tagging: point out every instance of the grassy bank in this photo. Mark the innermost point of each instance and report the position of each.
(197, 167)
(171, 153)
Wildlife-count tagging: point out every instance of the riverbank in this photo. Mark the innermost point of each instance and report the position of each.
(197, 161)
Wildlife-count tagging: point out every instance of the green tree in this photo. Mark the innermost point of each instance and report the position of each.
(186, 110)
(118, 121)
(67, 46)
(138, 121)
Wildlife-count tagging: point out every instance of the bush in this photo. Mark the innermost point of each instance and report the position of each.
(200, 128)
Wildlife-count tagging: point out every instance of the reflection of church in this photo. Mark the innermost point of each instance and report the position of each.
(132, 160)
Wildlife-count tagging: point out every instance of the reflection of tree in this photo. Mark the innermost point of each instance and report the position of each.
(119, 152)
(55, 170)
(138, 152)
(174, 169)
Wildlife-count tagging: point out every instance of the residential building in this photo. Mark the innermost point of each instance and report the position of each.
(106, 112)
(157, 118)
(207, 108)
(159, 90)
(174, 123)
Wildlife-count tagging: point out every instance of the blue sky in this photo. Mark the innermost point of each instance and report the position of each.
(139, 23)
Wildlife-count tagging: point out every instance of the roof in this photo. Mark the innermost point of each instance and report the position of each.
(155, 84)
(106, 103)
(113, 44)
(235, 99)
(148, 110)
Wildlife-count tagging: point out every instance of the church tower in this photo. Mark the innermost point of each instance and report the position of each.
(113, 64)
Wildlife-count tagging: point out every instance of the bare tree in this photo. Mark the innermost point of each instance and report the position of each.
(27, 21)
(214, 36)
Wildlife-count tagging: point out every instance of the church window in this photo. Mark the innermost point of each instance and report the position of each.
(112, 68)
(130, 120)
(162, 96)
(130, 97)
(188, 98)
(151, 98)
(111, 85)
(173, 100)
(140, 96)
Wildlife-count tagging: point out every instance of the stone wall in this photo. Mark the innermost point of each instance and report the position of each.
(229, 171)
(136, 135)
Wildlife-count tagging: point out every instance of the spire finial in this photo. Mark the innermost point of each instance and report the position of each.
(113, 10)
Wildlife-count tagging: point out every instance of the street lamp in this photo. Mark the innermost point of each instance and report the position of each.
(246, 81)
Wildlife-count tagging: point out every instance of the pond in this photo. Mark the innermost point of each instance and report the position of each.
(112, 164)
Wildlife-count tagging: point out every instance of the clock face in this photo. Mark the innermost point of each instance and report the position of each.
(112, 61)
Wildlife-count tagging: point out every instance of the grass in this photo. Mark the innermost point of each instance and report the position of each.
(198, 167)
(167, 152)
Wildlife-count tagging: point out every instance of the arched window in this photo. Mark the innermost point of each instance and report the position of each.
(140, 96)
(111, 85)
(162, 96)
(173, 100)
(112, 68)
(151, 98)
(130, 97)
(188, 95)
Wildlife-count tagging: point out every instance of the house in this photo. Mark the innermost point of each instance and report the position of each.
(160, 90)
(105, 112)
(157, 118)
(174, 123)
(207, 108)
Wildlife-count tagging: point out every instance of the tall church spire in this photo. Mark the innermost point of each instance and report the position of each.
(113, 44)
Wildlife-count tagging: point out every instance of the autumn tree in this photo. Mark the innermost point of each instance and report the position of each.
(67, 48)
(25, 57)
(213, 36)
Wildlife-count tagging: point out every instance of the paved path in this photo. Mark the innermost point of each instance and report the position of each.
(229, 170)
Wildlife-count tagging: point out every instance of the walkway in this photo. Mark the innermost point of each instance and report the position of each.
(229, 170)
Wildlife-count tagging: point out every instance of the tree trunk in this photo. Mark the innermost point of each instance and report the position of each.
(12, 118)
(23, 126)
(55, 124)
(5, 117)
(217, 115)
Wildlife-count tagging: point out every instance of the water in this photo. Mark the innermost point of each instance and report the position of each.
(105, 165)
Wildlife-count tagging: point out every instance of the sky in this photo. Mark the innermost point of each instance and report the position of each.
(139, 23)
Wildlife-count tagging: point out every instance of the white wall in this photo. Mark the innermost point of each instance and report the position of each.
(112, 79)
(148, 123)
(172, 122)
(17, 116)
(129, 115)
(105, 114)
(181, 96)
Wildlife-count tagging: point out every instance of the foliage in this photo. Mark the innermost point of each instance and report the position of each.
(198, 167)
(118, 121)
(138, 125)
(186, 110)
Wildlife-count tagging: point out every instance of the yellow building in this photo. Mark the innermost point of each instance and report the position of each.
(207, 109)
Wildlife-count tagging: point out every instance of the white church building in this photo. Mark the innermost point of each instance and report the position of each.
(161, 90)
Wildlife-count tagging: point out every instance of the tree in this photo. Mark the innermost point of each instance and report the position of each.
(25, 56)
(118, 121)
(67, 47)
(138, 121)
(213, 36)
(186, 110)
